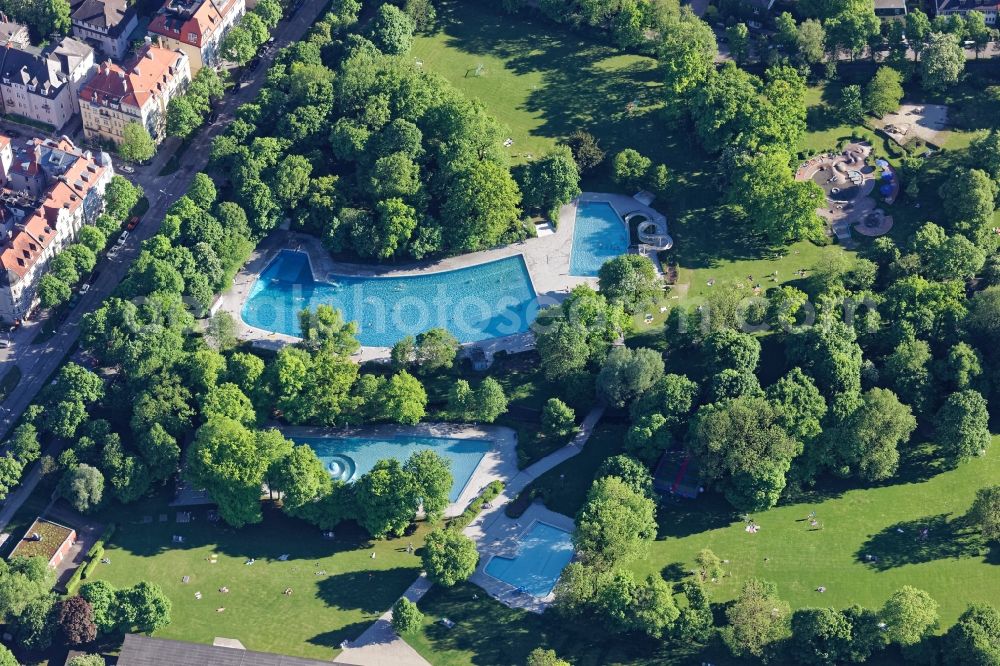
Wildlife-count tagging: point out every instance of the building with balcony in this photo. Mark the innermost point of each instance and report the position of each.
(138, 91)
(988, 8)
(42, 84)
(50, 189)
(197, 27)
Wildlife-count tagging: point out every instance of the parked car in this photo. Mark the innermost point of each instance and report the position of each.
(84, 288)
(113, 252)
(123, 237)
(5, 343)
(124, 168)
(133, 222)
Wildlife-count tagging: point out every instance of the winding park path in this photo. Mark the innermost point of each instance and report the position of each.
(379, 645)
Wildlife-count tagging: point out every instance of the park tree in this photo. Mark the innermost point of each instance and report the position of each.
(910, 615)
(449, 556)
(405, 400)
(983, 321)
(687, 49)
(672, 398)
(542, 657)
(811, 42)
(551, 182)
(962, 426)
(801, 407)
(23, 581)
(631, 168)
(586, 151)
(830, 355)
(76, 621)
(709, 564)
(977, 31)
(696, 622)
(627, 373)
(728, 349)
(970, 196)
(941, 61)
(387, 499)
(558, 419)
(868, 440)
(143, 607)
(985, 512)
(488, 401)
(34, 628)
(435, 349)
(83, 487)
(480, 206)
(975, 638)
(324, 327)
(908, 372)
(615, 524)
(392, 30)
(633, 472)
(230, 461)
(136, 145)
(629, 279)
(852, 105)
(758, 619)
(300, 476)
(738, 39)
(406, 617)
(777, 207)
(918, 27)
(820, 636)
(743, 450)
(7, 658)
(432, 476)
(884, 92)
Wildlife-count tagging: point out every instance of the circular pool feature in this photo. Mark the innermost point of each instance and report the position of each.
(341, 467)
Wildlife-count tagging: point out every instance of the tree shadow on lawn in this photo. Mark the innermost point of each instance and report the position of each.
(275, 536)
(368, 591)
(333, 639)
(679, 517)
(905, 543)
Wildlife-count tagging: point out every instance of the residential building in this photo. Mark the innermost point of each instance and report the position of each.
(46, 539)
(50, 189)
(890, 9)
(42, 84)
(988, 8)
(138, 91)
(138, 650)
(105, 24)
(197, 27)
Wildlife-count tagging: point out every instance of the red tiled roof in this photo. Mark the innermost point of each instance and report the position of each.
(137, 82)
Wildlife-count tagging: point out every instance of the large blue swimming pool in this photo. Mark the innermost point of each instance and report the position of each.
(475, 303)
(347, 458)
(598, 235)
(544, 552)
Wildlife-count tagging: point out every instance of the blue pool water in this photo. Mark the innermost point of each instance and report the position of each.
(475, 303)
(347, 458)
(545, 552)
(599, 235)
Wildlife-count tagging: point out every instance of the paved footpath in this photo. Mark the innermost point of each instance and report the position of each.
(38, 361)
(379, 645)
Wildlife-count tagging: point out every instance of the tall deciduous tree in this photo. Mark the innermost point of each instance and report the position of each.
(449, 556)
(615, 524)
(757, 619)
(884, 92)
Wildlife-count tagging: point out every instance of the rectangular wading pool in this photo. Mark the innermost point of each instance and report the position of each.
(543, 552)
(347, 458)
(475, 303)
(598, 235)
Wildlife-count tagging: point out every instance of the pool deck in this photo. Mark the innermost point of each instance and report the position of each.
(547, 258)
(499, 463)
(503, 539)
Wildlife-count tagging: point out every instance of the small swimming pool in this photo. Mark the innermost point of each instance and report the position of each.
(475, 303)
(598, 235)
(347, 458)
(544, 552)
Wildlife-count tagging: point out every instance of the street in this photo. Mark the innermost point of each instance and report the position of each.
(38, 361)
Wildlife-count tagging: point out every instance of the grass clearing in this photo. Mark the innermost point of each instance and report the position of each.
(855, 522)
(321, 611)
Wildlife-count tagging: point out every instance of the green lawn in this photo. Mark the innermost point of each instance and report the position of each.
(953, 564)
(544, 81)
(322, 610)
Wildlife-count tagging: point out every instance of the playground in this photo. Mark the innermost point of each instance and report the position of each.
(851, 184)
